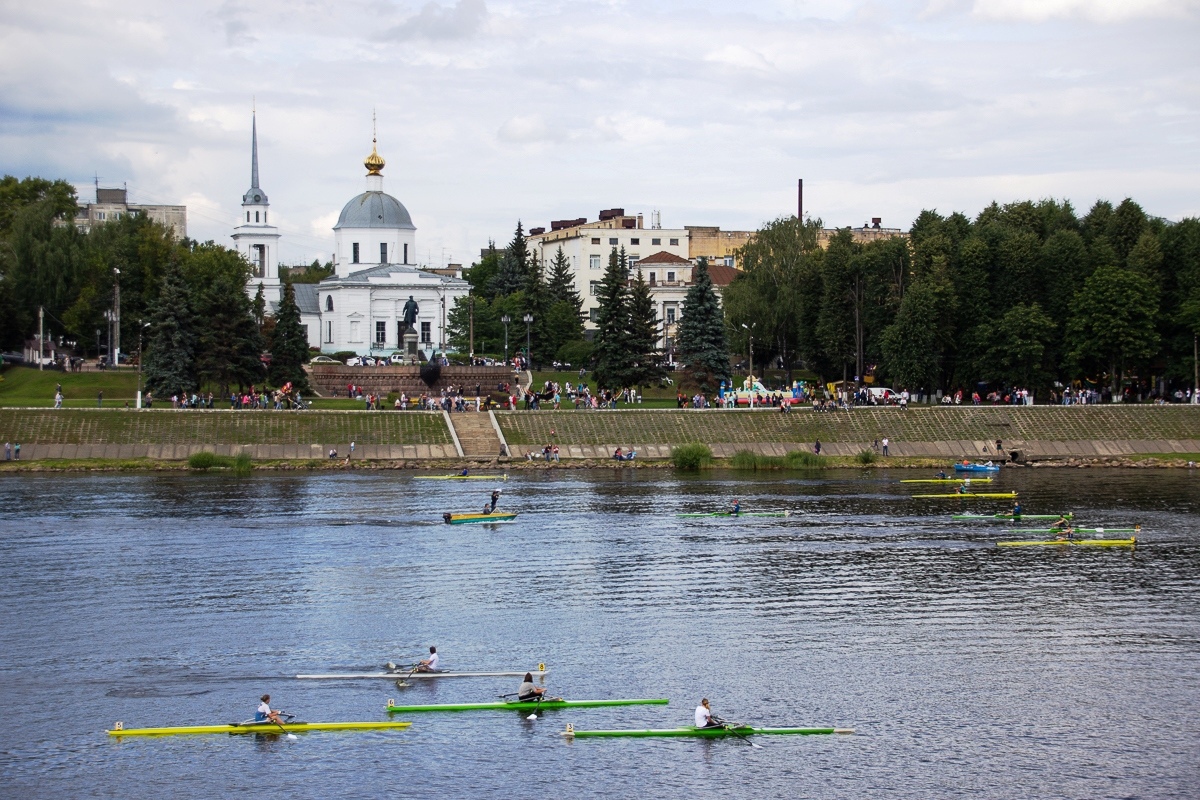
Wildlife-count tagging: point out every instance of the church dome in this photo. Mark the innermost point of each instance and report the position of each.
(375, 210)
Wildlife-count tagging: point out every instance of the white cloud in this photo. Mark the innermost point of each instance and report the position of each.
(1093, 10)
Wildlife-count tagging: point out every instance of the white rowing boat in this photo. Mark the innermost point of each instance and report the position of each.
(350, 676)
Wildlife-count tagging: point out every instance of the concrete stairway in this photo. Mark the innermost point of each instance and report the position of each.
(476, 434)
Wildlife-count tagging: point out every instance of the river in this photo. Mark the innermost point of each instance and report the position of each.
(965, 669)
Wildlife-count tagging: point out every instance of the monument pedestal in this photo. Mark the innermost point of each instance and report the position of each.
(410, 347)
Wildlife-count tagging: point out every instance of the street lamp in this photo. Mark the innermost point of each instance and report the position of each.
(747, 327)
(141, 329)
(528, 322)
(506, 319)
(117, 314)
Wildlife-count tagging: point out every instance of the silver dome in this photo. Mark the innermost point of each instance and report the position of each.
(375, 210)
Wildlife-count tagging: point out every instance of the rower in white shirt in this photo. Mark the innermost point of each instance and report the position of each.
(704, 717)
(429, 664)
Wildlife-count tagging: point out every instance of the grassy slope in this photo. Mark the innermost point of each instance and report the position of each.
(27, 386)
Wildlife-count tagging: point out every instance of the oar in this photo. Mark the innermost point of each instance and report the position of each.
(732, 728)
(286, 732)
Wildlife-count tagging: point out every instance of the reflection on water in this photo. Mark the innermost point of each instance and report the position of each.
(964, 668)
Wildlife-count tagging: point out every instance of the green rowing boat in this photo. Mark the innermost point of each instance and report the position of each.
(256, 727)
(1135, 529)
(730, 514)
(521, 705)
(1007, 517)
(967, 496)
(1130, 542)
(715, 732)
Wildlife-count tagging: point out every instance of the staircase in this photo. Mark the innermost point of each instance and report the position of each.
(476, 434)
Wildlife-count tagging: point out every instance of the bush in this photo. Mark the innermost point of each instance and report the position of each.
(744, 459)
(802, 459)
(691, 456)
(202, 460)
(343, 355)
(242, 464)
(865, 457)
(578, 354)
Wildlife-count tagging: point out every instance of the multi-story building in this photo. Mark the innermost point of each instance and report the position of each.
(112, 204)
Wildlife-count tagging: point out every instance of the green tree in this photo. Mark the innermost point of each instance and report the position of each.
(644, 335)
(700, 334)
(514, 267)
(229, 345)
(561, 286)
(612, 345)
(1112, 322)
(1020, 341)
(289, 348)
(170, 346)
(914, 345)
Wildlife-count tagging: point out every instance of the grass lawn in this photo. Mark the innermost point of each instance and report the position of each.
(28, 386)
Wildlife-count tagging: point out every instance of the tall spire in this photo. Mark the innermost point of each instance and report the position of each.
(374, 162)
(254, 195)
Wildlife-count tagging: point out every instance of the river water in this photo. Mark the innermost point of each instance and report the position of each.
(965, 669)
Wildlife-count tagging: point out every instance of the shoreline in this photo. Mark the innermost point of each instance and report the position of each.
(1147, 461)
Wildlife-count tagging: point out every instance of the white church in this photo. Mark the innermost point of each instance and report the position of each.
(360, 307)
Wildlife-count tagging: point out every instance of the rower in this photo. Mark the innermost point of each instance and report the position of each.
(941, 475)
(464, 472)
(1016, 509)
(736, 508)
(429, 664)
(1062, 526)
(704, 716)
(265, 713)
(527, 692)
(495, 499)
(961, 489)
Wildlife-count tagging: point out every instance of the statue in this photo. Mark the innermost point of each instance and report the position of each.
(411, 309)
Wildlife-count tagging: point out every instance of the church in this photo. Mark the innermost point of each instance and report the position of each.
(362, 307)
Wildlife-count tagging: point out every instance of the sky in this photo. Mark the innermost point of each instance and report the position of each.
(708, 112)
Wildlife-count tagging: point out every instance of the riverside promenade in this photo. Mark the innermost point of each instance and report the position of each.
(1027, 433)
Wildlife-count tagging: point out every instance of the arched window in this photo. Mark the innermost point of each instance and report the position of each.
(247, 216)
(329, 302)
(256, 216)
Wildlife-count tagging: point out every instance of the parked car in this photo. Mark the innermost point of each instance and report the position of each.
(354, 361)
(323, 360)
(395, 358)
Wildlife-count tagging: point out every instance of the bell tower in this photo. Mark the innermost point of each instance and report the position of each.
(254, 237)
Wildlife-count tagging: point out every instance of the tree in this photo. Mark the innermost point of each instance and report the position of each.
(170, 349)
(289, 348)
(613, 345)
(514, 266)
(644, 335)
(700, 335)
(1020, 341)
(914, 345)
(259, 307)
(1112, 322)
(561, 285)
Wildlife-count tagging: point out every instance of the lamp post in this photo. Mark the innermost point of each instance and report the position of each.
(747, 327)
(117, 315)
(141, 329)
(528, 323)
(506, 319)
(108, 317)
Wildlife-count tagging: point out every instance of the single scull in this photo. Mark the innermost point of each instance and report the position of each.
(969, 495)
(256, 727)
(471, 519)
(946, 480)
(343, 676)
(1007, 517)
(1130, 542)
(460, 477)
(523, 705)
(739, 514)
(709, 733)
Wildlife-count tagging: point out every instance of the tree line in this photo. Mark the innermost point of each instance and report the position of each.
(1026, 294)
(184, 301)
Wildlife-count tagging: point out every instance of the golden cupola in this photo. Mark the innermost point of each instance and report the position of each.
(374, 162)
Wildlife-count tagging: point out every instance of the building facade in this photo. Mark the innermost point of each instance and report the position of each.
(112, 204)
(361, 307)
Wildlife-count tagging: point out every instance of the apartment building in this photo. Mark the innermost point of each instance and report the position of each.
(112, 204)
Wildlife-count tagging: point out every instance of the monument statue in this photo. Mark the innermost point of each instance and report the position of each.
(411, 309)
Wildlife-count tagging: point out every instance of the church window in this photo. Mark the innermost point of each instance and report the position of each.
(383, 253)
(380, 332)
(247, 216)
(256, 216)
(406, 253)
(426, 331)
(304, 332)
(594, 262)
(329, 333)
(329, 302)
(354, 253)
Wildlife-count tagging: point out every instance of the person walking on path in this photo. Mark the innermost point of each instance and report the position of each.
(884, 442)
(17, 451)
(100, 399)
(817, 447)
(8, 451)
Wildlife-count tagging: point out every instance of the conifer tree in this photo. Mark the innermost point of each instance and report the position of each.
(644, 332)
(289, 348)
(700, 337)
(561, 283)
(169, 354)
(613, 342)
(259, 308)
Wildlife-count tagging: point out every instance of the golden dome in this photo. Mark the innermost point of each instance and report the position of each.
(374, 162)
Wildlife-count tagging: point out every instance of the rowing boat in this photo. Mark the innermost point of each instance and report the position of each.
(977, 467)
(347, 676)
(946, 480)
(715, 732)
(522, 705)
(503, 477)
(471, 519)
(731, 514)
(256, 727)
(1008, 517)
(1130, 542)
(1135, 529)
(988, 495)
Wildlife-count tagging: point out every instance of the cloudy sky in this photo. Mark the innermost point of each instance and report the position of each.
(708, 111)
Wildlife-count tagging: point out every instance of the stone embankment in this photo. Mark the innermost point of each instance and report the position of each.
(1095, 434)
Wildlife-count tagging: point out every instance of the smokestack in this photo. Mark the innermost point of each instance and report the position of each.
(800, 200)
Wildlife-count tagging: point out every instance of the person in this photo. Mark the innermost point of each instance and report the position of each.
(100, 399)
(704, 716)
(619, 454)
(817, 447)
(8, 451)
(265, 712)
(429, 664)
(494, 501)
(527, 691)
(884, 442)
(735, 508)
(1016, 509)
(17, 451)
(941, 475)
(961, 489)
(1062, 526)
(465, 472)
